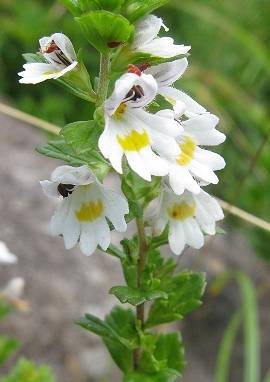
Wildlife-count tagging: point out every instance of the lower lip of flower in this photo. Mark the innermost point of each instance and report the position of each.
(187, 154)
(135, 141)
(90, 211)
(182, 211)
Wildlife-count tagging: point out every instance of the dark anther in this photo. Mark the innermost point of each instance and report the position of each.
(65, 189)
(144, 66)
(135, 93)
(49, 48)
(114, 44)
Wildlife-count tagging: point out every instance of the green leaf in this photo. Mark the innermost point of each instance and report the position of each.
(58, 149)
(251, 328)
(139, 192)
(163, 351)
(101, 328)
(103, 28)
(83, 137)
(184, 295)
(72, 6)
(249, 315)
(78, 82)
(136, 296)
(7, 347)
(226, 349)
(33, 57)
(135, 9)
(26, 371)
(123, 323)
(4, 309)
(166, 375)
(267, 377)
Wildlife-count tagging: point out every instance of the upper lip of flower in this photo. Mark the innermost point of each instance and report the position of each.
(133, 90)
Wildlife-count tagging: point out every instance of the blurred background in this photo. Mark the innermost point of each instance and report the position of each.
(229, 74)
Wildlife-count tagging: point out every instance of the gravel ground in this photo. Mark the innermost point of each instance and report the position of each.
(61, 285)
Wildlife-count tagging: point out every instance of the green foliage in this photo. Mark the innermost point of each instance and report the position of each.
(7, 347)
(135, 9)
(135, 296)
(101, 328)
(184, 295)
(248, 316)
(123, 322)
(82, 137)
(26, 371)
(78, 148)
(139, 192)
(118, 29)
(4, 309)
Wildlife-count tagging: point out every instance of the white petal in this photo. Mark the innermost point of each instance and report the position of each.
(49, 188)
(6, 257)
(166, 74)
(88, 239)
(181, 180)
(177, 239)
(37, 72)
(156, 165)
(66, 70)
(146, 30)
(164, 47)
(65, 45)
(110, 147)
(178, 95)
(209, 159)
(59, 217)
(208, 209)
(149, 87)
(116, 207)
(73, 175)
(103, 233)
(71, 230)
(14, 288)
(166, 126)
(137, 164)
(202, 127)
(203, 172)
(193, 233)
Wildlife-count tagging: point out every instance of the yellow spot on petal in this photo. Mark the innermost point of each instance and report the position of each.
(90, 211)
(182, 211)
(188, 148)
(171, 100)
(135, 141)
(118, 114)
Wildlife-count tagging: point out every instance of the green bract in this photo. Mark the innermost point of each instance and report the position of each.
(105, 30)
(135, 9)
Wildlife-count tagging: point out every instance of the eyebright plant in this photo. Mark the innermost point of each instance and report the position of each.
(152, 137)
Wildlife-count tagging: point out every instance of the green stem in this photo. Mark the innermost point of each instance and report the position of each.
(140, 269)
(103, 79)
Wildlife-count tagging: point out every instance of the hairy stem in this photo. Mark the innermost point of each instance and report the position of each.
(103, 79)
(140, 268)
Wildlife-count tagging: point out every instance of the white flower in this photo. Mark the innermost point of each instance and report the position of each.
(146, 39)
(189, 216)
(6, 257)
(195, 164)
(60, 55)
(14, 289)
(166, 74)
(86, 204)
(132, 131)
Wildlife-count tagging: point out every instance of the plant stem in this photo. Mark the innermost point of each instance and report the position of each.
(103, 79)
(140, 268)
